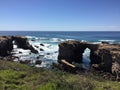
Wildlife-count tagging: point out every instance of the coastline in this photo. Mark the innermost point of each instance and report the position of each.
(103, 56)
(100, 69)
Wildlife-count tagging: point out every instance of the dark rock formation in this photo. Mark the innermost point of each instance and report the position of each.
(22, 42)
(71, 51)
(105, 56)
(110, 58)
(42, 44)
(36, 46)
(38, 62)
(6, 45)
(41, 49)
(25, 61)
(105, 42)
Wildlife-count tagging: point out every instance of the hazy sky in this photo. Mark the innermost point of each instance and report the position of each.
(73, 15)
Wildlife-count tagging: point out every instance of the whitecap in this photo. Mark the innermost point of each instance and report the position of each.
(96, 42)
(108, 41)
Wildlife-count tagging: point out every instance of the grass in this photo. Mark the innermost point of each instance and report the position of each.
(16, 76)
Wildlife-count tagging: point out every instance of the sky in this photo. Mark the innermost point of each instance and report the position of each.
(60, 15)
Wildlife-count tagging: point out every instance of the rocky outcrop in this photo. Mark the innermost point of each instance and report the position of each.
(109, 57)
(38, 62)
(22, 42)
(6, 45)
(71, 51)
(105, 56)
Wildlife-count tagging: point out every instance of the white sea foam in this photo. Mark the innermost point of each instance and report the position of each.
(69, 39)
(109, 41)
(47, 48)
(86, 58)
(48, 51)
(96, 42)
(14, 46)
(54, 39)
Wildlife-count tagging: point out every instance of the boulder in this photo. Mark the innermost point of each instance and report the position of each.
(38, 62)
(6, 45)
(36, 46)
(41, 49)
(42, 44)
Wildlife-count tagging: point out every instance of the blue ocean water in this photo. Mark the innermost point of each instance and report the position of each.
(51, 39)
(78, 35)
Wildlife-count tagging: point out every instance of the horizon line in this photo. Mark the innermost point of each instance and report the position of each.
(63, 30)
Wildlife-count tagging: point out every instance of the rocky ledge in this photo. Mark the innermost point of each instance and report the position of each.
(6, 44)
(105, 57)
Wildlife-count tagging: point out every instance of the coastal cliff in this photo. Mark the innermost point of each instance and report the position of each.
(105, 57)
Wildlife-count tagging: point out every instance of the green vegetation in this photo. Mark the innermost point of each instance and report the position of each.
(16, 76)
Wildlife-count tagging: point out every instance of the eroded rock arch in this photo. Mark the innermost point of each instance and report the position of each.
(72, 51)
(106, 56)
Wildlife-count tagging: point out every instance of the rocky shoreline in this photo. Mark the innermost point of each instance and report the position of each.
(105, 57)
(6, 44)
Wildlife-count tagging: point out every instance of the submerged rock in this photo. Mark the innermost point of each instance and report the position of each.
(42, 44)
(47, 53)
(36, 46)
(41, 49)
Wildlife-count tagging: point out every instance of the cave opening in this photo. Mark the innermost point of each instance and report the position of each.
(86, 58)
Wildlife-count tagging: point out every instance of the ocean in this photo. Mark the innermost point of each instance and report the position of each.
(78, 35)
(46, 42)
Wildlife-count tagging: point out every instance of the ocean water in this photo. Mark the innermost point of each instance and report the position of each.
(46, 42)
